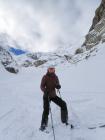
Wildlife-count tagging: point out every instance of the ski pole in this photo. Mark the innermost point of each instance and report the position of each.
(59, 93)
(52, 120)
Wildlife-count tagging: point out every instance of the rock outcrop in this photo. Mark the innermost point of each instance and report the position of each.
(7, 60)
(96, 33)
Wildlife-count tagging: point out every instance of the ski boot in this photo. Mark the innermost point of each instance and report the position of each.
(43, 127)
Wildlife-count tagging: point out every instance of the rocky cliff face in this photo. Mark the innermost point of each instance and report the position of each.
(99, 13)
(7, 60)
(5, 56)
(96, 33)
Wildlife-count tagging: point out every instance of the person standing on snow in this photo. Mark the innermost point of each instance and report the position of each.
(49, 84)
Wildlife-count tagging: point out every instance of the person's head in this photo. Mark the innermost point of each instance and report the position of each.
(51, 70)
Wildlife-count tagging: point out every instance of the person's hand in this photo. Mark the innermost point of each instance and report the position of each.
(45, 95)
(45, 92)
(58, 86)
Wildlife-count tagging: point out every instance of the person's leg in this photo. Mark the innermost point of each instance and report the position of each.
(45, 114)
(64, 112)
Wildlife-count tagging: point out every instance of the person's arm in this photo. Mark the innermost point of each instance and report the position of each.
(58, 86)
(43, 84)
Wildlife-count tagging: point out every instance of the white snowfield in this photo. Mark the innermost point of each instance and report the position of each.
(83, 88)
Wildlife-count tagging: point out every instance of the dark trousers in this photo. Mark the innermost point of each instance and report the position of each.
(46, 106)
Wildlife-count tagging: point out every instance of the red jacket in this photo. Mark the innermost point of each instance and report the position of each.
(49, 83)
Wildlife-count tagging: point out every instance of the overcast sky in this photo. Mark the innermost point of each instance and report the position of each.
(43, 25)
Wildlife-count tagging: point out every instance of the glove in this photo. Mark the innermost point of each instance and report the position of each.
(58, 86)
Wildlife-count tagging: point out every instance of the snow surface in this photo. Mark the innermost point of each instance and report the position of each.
(83, 88)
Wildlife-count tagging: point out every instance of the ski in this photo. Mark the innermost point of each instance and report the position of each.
(88, 127)
(95, 127)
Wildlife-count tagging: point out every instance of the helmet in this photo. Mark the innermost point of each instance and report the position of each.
(51, 67)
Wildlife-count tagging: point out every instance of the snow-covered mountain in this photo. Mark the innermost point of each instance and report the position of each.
(6, 58)
(65, 53)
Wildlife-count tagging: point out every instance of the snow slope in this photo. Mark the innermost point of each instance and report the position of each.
(83, 88)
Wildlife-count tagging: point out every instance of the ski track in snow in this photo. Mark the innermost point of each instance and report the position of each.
(6, 114)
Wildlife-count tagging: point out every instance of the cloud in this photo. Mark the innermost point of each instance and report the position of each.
(44, 25)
